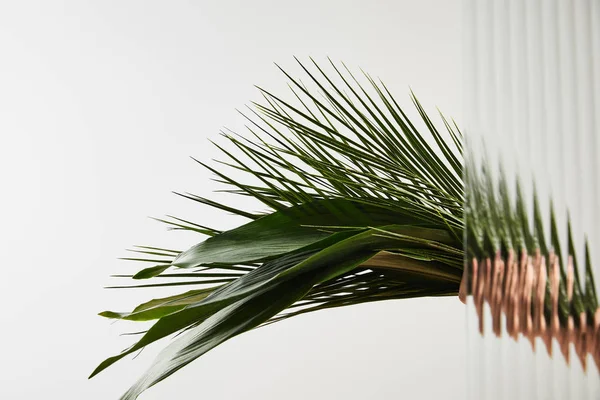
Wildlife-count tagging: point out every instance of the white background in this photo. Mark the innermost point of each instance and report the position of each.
(101, 103)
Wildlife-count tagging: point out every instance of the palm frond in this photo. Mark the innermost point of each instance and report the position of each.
(361, 206)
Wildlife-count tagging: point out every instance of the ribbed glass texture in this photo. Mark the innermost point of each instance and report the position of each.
(532, 110)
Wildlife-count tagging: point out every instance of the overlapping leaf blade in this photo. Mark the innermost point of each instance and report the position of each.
(265, 298)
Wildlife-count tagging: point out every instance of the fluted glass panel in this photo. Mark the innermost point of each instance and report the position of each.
(532, 90)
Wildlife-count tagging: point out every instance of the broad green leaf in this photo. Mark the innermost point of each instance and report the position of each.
(285, 231)
(158, 308)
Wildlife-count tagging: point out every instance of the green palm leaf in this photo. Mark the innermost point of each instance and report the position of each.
(362, 206)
